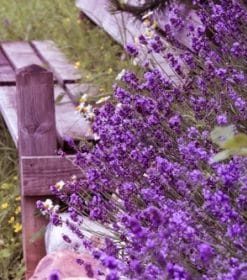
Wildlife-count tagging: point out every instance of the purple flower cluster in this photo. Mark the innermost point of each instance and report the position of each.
(148, 179)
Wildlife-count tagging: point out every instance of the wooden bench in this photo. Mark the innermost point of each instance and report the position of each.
(124, 28)
(32, 76)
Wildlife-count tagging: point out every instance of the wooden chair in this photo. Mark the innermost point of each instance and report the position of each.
(32, 76)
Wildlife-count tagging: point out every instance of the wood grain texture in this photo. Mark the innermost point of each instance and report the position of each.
(7, 74)
(68, 121)
(76, 90)
(57, 62)
(124, 28)
(35, 108)
(8, 110)
(20, 54)
(41, 172)
(37, 137)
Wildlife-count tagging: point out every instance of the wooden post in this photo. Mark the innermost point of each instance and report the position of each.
(37, 137)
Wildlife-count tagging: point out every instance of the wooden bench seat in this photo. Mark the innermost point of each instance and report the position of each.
(16, 55)
(124, 29)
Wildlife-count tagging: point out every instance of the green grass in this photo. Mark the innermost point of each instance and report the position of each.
(11, 266)
(99, 59)
(59, 21)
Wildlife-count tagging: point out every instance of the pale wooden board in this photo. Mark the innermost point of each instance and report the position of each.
(57, 62)
(68, 121)
(21, 54)
(124, 29)
(7, 74)
(41, 172)
(8, 109)
(76, 90)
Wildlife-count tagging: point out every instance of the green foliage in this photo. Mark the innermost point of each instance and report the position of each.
(11, 265)
(92, 51)
(232, 143)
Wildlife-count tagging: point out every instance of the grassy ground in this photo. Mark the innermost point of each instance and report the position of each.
(58, 20)
(90, 49)
(11, 266)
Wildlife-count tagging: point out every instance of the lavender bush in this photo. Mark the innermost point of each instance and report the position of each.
(174, 214)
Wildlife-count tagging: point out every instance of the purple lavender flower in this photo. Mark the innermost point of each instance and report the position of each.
(172, 215)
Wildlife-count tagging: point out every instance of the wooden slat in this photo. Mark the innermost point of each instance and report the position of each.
(77, 90)
(7, 74)
(20, 54)
(8, 109)
(41, 172)
(68, 121)
(57, 62)
(124, 28)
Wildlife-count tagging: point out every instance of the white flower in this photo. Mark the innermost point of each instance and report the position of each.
(120, 75)
(96, 137)
(88, 108)
(80, 107)
(119, 105)
(48, 204)
(59, 185)
(103, 99)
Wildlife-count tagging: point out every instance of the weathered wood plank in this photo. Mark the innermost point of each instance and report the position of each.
(76, 90)
(7, 74)
(68, 121)
(20, 54)
(35, 108)
(37, 136)
(57, 62)
(8, 109)
(41, 172)
(124, 28)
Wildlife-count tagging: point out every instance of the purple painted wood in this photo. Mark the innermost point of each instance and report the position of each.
(37, 137)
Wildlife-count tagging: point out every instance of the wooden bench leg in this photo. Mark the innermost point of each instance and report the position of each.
(33, 239)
